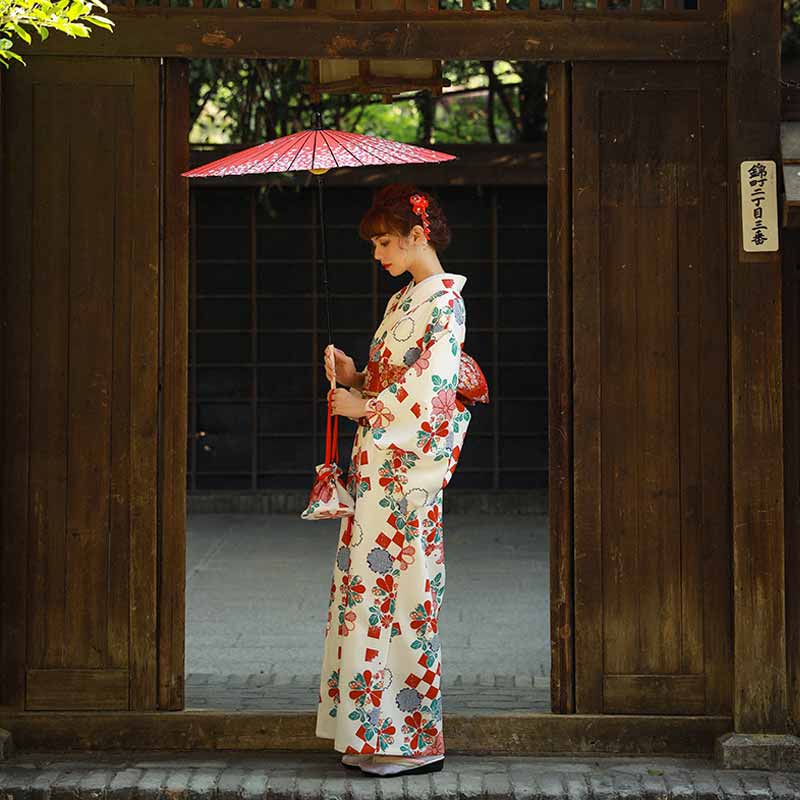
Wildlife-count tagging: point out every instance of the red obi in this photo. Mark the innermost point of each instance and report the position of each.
(472, 387)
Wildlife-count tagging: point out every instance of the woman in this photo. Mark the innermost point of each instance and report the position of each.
(381, 674)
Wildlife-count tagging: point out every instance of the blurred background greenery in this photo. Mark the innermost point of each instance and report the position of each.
(251, 101)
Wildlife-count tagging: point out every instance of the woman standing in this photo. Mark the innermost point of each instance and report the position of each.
(380, 696)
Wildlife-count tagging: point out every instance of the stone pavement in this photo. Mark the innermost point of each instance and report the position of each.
(312, 776)
(256, 602)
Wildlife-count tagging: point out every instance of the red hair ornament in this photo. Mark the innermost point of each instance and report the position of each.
(419, 205)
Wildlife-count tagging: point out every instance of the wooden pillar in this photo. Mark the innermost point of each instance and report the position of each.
(760, 690)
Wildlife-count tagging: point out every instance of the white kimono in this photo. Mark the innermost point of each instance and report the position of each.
(381, 670)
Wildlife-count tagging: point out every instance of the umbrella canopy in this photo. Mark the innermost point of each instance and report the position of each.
(317, 149)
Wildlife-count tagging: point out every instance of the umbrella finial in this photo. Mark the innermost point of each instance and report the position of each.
(317, 119)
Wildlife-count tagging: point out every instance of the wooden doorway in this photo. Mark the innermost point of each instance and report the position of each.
(653, 614)
(107, 631)
(92, 484)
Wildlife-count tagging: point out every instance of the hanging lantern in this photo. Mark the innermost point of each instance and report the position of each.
(385, 76)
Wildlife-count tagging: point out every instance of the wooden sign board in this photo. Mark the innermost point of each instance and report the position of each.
(759, 191)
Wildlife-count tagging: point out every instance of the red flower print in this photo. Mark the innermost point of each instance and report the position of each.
(422, 617)
(422, 731)
(444, 404)
(366, 687)
(430, 434)
(352, 589)
(378, 413)
(386, 592)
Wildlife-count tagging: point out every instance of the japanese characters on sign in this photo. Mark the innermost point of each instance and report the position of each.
(759, 206)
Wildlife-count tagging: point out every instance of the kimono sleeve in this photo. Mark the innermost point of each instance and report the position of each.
(418, 412)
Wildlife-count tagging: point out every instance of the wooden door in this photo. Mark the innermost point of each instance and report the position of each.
(83, 276)
(651, 410)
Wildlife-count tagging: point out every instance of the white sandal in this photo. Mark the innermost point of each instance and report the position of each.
(355, 760)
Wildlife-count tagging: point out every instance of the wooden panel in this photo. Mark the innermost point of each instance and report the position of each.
(760, 693)
(559, 391)
(144, 360)
(650, 444)
(247, 33)
(88, 374)
(175, 393)
(122, 378)
(50, 405)
(80, 524)
(588, 575)
(77, 689)
(505, 734)
(791, 430)
(17, 178)
(654, 694)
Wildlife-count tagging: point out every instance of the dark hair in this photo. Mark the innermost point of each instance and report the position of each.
(391, 212)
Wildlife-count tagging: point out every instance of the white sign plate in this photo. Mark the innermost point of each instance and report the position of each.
(759, 188)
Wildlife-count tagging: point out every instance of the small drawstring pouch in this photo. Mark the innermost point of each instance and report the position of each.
(329, 498)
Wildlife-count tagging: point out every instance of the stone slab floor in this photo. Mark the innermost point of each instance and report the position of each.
(318, 776)
(257, 592)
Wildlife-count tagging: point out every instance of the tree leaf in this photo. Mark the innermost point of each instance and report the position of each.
(22, 33)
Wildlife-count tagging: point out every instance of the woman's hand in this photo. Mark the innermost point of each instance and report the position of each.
(346, 372)
(347, 404)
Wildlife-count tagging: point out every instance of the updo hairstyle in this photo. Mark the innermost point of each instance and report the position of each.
(391, 212)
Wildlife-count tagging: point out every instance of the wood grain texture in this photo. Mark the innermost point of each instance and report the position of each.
(791, 431)
(262, 33)
(174, 397)
(119, 627)
(144, 366)
(50, 407)
(88, 376)
(654, 694)
(82, 363)
(559, 390)
(14, 508)
(760, 692)
(77, 689)
(503, 734)
(649, 331)
(589, 571)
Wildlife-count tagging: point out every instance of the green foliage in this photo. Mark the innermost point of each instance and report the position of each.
(790, 44)
(19, 17)
(244, 101)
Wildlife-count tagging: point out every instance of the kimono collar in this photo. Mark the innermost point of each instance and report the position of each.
(435, 282)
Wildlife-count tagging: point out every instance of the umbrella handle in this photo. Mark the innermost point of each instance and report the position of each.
(333, 369)
(332, 436)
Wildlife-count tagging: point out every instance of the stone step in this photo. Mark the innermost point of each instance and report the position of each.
(312, 776)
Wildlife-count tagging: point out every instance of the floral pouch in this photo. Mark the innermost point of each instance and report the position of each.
(329, 498)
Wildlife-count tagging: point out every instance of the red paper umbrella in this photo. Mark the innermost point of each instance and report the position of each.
(318, 150)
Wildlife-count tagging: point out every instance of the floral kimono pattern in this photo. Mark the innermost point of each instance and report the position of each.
(381, 670)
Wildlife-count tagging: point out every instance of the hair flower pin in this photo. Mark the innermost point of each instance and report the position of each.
(419, 205)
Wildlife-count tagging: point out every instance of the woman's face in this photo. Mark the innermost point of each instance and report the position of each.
(392, 251)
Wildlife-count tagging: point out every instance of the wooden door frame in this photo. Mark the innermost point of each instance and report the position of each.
(743, 39)
(137, 496)
(173, 364)
(174, 421)
(559, 386)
